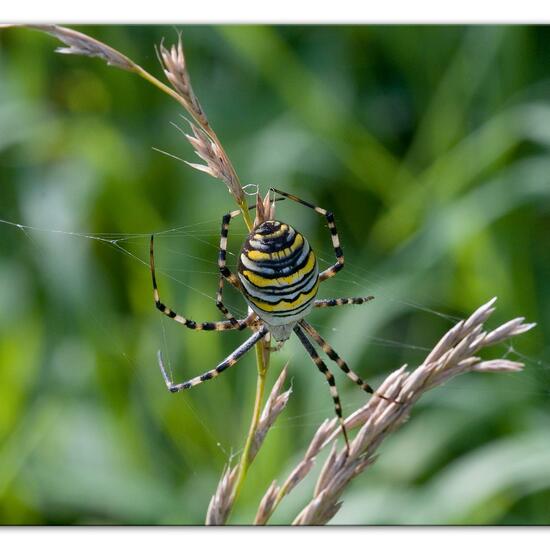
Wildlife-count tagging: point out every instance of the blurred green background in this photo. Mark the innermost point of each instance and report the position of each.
(431, 146)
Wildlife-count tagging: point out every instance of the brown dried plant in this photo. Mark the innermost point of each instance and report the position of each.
(222, 500)
(455, 354)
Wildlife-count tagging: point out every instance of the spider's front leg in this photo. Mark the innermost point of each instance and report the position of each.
(329, 216)
(222, 256)
(225, 273)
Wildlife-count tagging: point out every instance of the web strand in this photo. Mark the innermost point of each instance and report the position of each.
(207, 234)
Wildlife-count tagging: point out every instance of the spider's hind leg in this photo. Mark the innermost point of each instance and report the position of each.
(333, 356)
(329, 377)
(208, 375)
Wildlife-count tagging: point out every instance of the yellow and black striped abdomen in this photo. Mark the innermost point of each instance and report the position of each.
(279, 274)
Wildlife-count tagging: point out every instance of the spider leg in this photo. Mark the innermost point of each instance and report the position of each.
(237, 324)
(333, 356)
(208, 375)
(224, 270)
(331, 271)
(332, 302)
(328, 375)
(217, 326)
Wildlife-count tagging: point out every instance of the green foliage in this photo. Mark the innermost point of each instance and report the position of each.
(430, 144)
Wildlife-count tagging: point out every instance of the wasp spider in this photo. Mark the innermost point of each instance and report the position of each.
(279, 278)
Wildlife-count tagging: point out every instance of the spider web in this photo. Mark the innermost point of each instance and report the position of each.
(352, 281)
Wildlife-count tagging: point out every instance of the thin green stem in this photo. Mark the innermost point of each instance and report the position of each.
(246, 215)
(262, 353)
(262, 361)
(163, 87)
(115, 58)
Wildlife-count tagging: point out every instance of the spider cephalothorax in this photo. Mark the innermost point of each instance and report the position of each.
(279, 278)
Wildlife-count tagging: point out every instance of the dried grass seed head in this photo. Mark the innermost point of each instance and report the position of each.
(175, 68)
(265, 209)
(81, 44)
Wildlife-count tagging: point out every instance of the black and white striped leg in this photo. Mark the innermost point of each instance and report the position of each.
(217, 326)
(208, 375)
(224, 270)
(237, 324)
(225, 273)
(331, 353)
(333, 302)
(222, 256)
(328, 375)
(333, 356)
(331, 271)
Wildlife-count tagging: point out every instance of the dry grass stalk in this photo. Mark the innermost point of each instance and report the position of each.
(275, 493)
(265, 209)
(217, 164)
(81, 44)
(205, 141)
(222, 501)
(175, 69)
(454, 354)
(273, 407)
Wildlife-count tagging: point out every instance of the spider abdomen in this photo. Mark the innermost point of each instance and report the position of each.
(279, 274)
